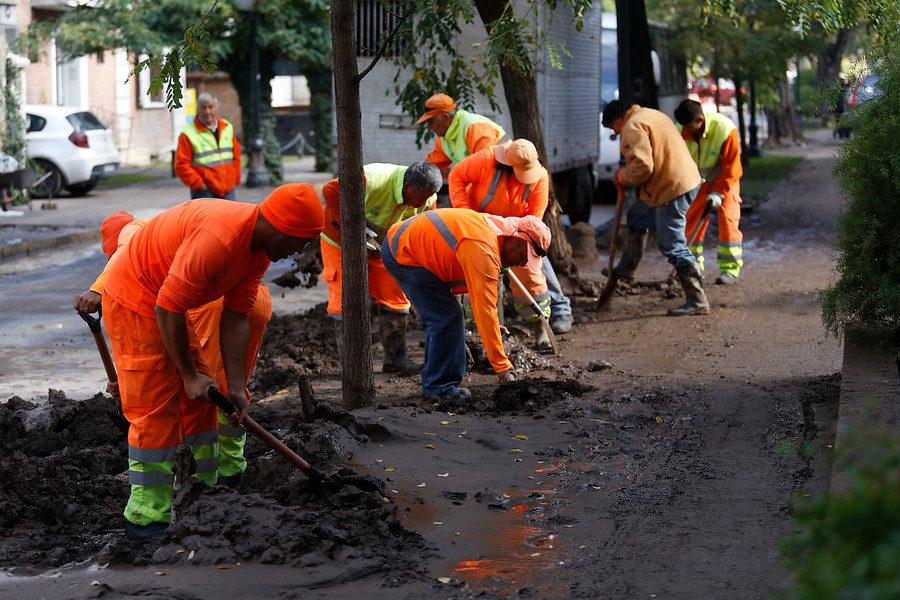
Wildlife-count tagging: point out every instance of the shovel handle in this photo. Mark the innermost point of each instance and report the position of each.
(267, 438)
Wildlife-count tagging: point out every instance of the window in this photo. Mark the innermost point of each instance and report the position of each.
(35, 123)
(146, 100)
(374, 20)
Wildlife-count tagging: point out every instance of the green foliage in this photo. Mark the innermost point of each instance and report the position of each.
(846, 543)
(867, 255)
(14, 142)
(189, 51)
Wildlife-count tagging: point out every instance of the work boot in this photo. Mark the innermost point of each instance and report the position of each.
(541, 339)
(393, 339)
(695, 297)
(561, 324)
(339, 338)
(143, 533)
(726, 279)
(632, 253)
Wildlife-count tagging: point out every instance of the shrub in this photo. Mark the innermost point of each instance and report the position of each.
(867, 252)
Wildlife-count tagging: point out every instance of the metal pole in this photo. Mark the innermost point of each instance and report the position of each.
(257, 174)
(753, 148)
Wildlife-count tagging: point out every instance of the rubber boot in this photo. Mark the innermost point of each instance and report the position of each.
(695, 297)
(393, 339)
(541, 339)
(632, 253)
(339, 337)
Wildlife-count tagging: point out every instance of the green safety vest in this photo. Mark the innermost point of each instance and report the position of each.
(384, 199)
(207, 151)
(708, 151)
(453, 142)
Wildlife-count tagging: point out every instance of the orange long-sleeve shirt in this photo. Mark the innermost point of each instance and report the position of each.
(478, 137)
(470, 182)
(472, 264)
(191, 254)
(219, 179)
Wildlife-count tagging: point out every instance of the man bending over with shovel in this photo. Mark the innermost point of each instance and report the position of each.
(450, 251)
(115, 231)
(185, 257)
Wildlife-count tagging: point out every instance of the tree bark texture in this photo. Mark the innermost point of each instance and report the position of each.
(782, 118)
(524, 112)
(358, 383)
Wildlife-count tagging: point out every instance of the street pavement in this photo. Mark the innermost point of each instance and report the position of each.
(46, 224)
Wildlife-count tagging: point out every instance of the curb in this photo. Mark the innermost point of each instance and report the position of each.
(33, 246)
(870, 386)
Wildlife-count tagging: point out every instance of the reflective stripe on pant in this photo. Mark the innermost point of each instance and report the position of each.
(160, 414)
(729, 253)
(443, 321)
(536, 285)
(382, 286)
(231, 448)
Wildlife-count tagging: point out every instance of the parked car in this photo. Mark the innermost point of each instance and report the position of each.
(71, 144)
(706, 87)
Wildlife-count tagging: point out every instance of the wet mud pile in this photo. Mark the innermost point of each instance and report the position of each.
(64, 473)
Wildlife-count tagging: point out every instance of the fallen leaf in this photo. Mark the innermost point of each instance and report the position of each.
(429, 446)
(224, 567)
(161, 573)
(518, 460)
(438, 523)
(445, 422)
(521, 437)
(464, 432)
(55, 575)
(179, 551)
(389, 469)
(428, 433)
(385, 499)
(421, 485)
(659, 419)
(191, 555)
(95, 582)
(381, 460)
(562, 422)
(444, 579)
(443, 474)
(516, 450)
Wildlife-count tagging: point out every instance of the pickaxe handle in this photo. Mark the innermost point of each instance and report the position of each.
(267, 438)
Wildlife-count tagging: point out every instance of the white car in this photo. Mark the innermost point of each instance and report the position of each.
(72, 145)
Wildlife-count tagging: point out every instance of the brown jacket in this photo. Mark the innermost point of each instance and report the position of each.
(656, 158)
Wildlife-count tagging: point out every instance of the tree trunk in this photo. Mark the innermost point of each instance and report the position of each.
(739, 103)
(358, 382)
(524, 112)
(782, 118)
(828, 63)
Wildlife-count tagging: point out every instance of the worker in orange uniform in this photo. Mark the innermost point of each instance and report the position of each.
(508, 180)
(712, 139)
(208, 157)
(450, 251)
(115, 231)
(392, 193)
(459, 132)
(185, 257)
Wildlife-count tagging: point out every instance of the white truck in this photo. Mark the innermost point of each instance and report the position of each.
(569, 100)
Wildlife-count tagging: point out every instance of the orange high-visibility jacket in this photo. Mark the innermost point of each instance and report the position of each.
(219, 179)
(478, 136)
(188, 255)
(481, 183)
(461, 249)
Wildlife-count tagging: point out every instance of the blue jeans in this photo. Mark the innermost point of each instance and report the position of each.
(442, 319)
(560, 305)
(670, 224)
(205, 193)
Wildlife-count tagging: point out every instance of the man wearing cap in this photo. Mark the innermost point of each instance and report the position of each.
(657, 160)
(392, 193)
(208, 157)
(508, 180)
(459, 132)
(450, 251)
(116, 231)
(185, 257)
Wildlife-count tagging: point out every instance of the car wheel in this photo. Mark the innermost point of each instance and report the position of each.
(51, 186)
(81, 189)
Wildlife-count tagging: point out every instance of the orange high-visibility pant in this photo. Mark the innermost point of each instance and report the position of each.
(205, 321)
(382, 286)
(159, 411)
(536, 284)
(729, 252)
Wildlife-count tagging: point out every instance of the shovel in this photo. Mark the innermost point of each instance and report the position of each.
(610, 286)
(537, 310)
(118, 418)
(313, 474)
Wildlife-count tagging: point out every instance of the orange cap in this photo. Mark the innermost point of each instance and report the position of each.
(110, 229)
(295, 210)
(522, 156)
(437, 105)
(529, 228)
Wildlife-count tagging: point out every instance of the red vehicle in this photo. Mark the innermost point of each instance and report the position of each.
(706, 87)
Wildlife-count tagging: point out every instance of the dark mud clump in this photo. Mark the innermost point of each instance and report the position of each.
(64, 472)
(526, 396)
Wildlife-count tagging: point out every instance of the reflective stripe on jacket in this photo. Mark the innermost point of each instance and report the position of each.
(467, 134)
(481, 183)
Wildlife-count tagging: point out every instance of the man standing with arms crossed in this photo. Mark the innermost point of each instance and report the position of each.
(208, 157)
(712, 139)
(657, 160)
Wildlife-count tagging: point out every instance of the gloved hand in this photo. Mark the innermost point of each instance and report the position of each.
(715, 199)
(371, 244)
(617, 179)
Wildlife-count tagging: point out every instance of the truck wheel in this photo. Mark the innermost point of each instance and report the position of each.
(581, 193)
